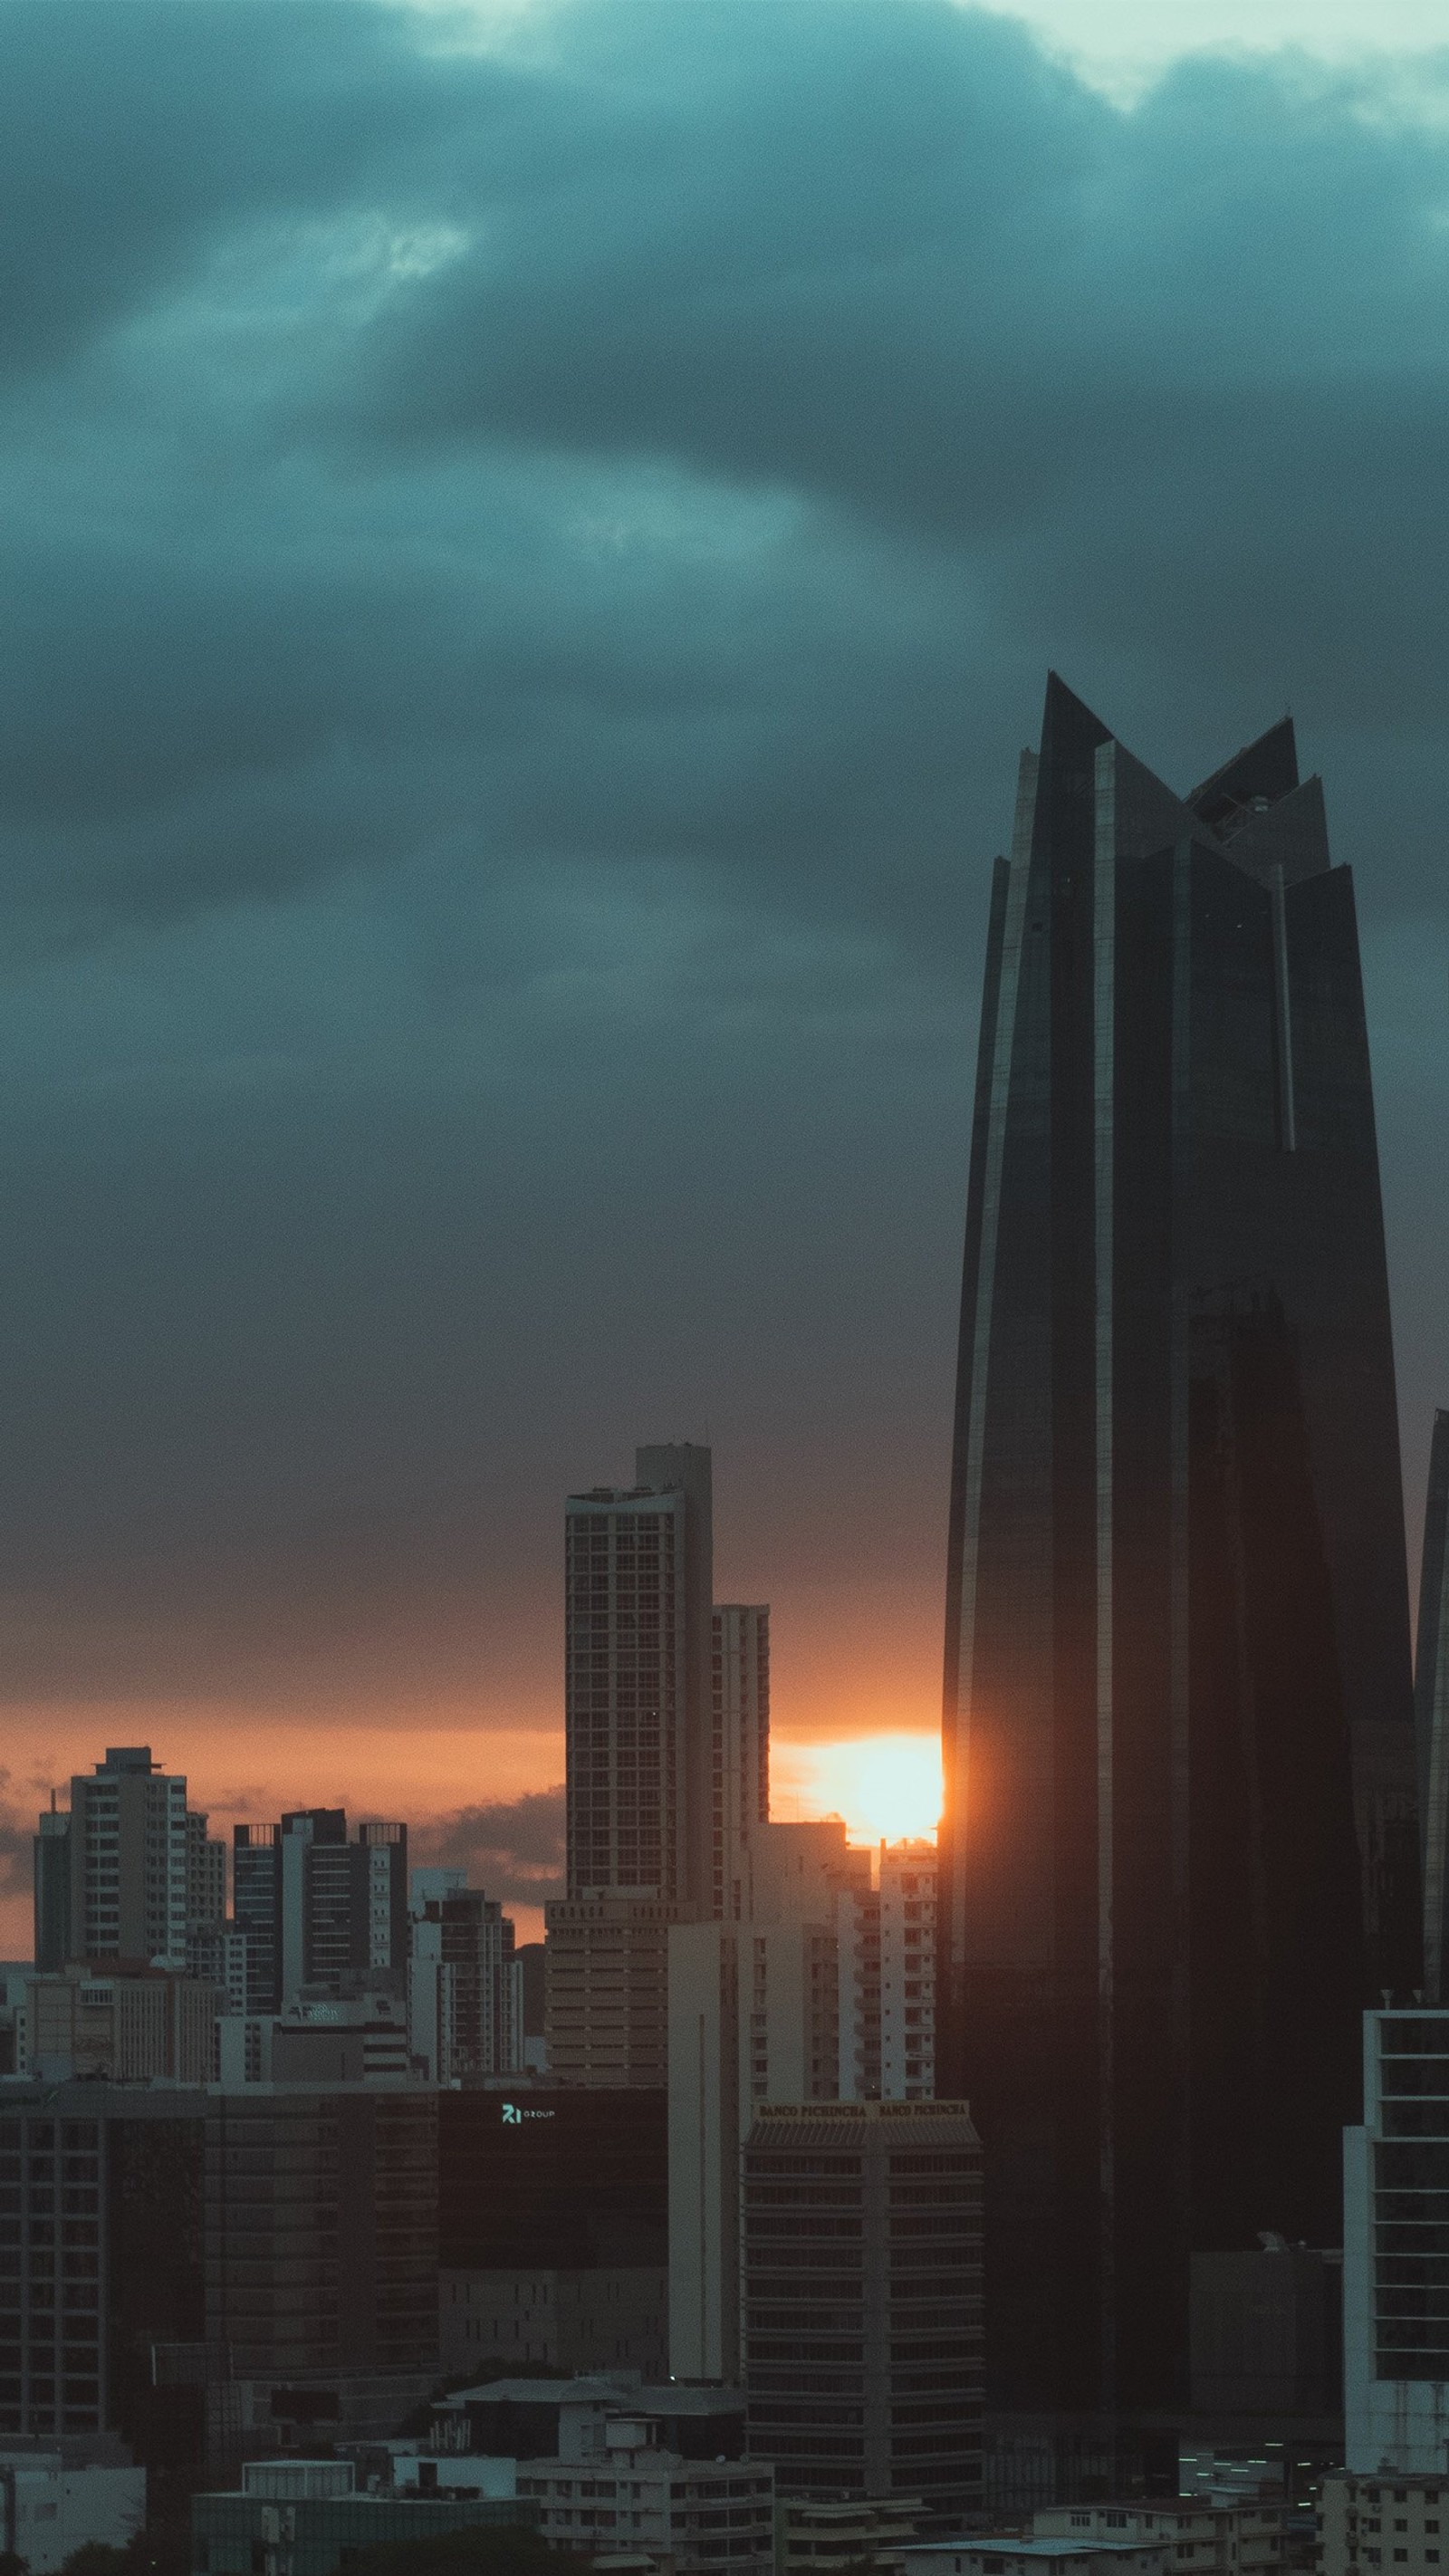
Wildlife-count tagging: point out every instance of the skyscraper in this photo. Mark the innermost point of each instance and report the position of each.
(133, 1858)
(638, 1704)
(1431, 1711)
(740, 1695)
(862, 2299)
(317, 1912)
(1180, 1847)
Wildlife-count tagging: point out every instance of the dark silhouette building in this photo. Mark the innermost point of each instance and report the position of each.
(1180, 1850)
(1431, 1711)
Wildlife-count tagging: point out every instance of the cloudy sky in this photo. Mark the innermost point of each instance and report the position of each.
(532, 538)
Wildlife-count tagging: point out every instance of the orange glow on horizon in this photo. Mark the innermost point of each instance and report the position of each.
(887, 1787)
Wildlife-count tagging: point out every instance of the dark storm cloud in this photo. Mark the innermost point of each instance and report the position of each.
(514, 1847)
(527, 562)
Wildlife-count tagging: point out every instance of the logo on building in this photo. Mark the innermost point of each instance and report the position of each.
(514, 2115)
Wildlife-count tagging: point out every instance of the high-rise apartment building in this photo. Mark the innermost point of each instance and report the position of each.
(639, 1758)
(205, 1873)
(1180, 1847)
(740, 1749)
(128, 1846)
(319, 1914)
(886, 1938)
(465, 1987)
(760, 2010)
(1431, 1714)
(51, 1855)
(862, 2299)
(638, 1696)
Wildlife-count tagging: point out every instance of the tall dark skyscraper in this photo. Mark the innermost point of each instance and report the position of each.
(1181, 1848)
(1431, 1712)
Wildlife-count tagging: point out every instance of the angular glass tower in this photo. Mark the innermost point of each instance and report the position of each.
(1180, 1850)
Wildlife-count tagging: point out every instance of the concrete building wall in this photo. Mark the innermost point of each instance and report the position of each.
(566, 2319)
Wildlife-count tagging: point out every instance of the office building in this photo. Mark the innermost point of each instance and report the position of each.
(1431, 1711)
(886, 1940)
(862, 2299)
(553, 2229)
(1396, 2250)
(1180, 1848)
(321, 2259)
(1399, 2523)
(740, 1748)
(100, 2264)
(133, 2026)
(465, 1986)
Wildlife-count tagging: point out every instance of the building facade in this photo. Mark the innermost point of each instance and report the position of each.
(862, 2299)
(100, 2262)
(1180, 1849)
(754, 2012)
(321, 2244)
(1397, 2523)
(1396, 2250)
(1431, 1712)
(320, 1913)
(140, 2026)
(465, 1987)
(886, 1934)
(553, 2229)
(114, 1877)
(740, 1748)
(638, 1696)
(638, 1699)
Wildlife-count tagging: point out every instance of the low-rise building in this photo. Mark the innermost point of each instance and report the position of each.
(996, 2554)
(826, 2536)
(52, 2506)
(708, 2517)
(297, 2517)
(1397, 2523)
(615, 2468)
(1239, 2539)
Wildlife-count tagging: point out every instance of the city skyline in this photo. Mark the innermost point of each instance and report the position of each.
(497, 818)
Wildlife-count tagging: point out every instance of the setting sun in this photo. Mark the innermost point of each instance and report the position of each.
(887, 1787)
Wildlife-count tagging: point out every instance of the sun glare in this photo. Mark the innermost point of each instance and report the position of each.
(887, 1787)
